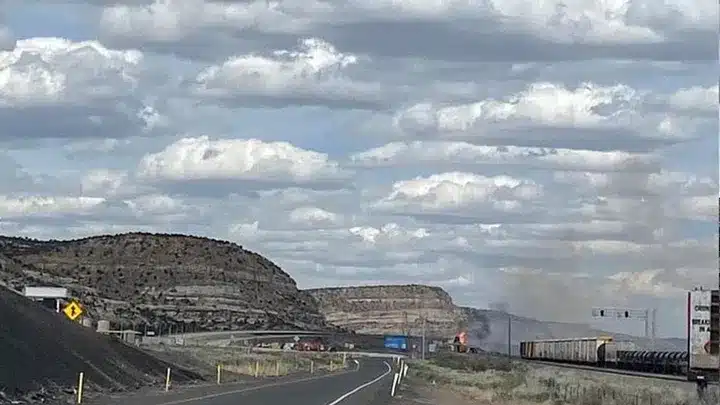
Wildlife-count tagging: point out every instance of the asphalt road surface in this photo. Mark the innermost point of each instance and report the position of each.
(367, 384)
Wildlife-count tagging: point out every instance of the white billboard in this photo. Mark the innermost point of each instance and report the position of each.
(45, 292)
(699, 305)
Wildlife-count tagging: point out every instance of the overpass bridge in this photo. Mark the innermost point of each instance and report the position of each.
(224, 337)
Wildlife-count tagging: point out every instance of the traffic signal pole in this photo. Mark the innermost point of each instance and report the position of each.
(649, 316)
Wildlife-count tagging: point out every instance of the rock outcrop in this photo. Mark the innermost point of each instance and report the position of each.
(391, 309)
(163, 282)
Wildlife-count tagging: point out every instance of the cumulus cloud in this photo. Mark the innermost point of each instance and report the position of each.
(13, 207)
(463, 153)
(201, 159)
(462, 195)
(695, 99)
(494, 149)
(314, 74)
(81, 89)
(314, 216)
(168, 21)
(162, 208)
(388, 233)
(528, 30)
(551, 114)
(103, 181)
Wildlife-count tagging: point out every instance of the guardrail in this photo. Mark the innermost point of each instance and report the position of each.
(401, 370)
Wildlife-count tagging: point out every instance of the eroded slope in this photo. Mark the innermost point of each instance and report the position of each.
(165, 282)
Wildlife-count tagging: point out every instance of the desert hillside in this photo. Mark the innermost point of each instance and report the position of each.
(391, 309)
(163, 281)
(43, 352)
(186, 283)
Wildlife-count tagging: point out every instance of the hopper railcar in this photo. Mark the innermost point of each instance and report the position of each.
(604, 352)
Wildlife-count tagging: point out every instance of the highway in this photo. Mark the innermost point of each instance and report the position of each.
(368, 383)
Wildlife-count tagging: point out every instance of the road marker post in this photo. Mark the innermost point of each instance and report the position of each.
(277, 368)
(344, 360)
(219, 371)
(312, 366)
(332, 366)
(167, 380)
(80, 387)
(396, 380)
(257, 368)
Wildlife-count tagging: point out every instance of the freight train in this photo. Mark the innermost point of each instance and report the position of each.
(606, 353)
(699, 363)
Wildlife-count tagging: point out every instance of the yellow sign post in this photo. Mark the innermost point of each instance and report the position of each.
(73, 310)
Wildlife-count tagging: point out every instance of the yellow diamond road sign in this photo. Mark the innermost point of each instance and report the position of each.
(73, 310)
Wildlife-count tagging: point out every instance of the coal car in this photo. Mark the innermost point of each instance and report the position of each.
(604, 352)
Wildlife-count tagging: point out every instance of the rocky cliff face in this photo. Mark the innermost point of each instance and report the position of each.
(391, 309)
(163, 281)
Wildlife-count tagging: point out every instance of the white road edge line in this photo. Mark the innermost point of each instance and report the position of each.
(367, 384)
(255, 388)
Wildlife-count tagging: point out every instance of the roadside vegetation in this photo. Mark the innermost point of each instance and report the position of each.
(239, 363)
(486, 379)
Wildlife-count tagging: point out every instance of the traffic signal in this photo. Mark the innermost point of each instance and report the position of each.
(602, 312)
(626, 314)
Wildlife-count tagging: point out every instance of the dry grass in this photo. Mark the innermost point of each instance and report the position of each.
(488, 380)
(240, 363)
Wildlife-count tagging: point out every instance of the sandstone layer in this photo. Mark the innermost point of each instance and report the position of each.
(391, 309)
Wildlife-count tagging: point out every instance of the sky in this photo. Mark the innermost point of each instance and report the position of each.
(554, 156)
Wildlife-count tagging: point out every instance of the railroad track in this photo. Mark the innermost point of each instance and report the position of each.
(677, 378)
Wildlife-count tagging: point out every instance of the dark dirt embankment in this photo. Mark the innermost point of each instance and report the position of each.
(42, 353)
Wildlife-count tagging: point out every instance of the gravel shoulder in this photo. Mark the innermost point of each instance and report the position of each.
(483, 380)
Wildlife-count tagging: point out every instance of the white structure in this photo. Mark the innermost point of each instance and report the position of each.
(699, 330)
(103, 326)
(45, 293)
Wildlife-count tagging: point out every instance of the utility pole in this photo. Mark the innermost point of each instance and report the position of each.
(653, 327)
(405, 327)
(509, 353)
(423, 336)
(257, 285)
